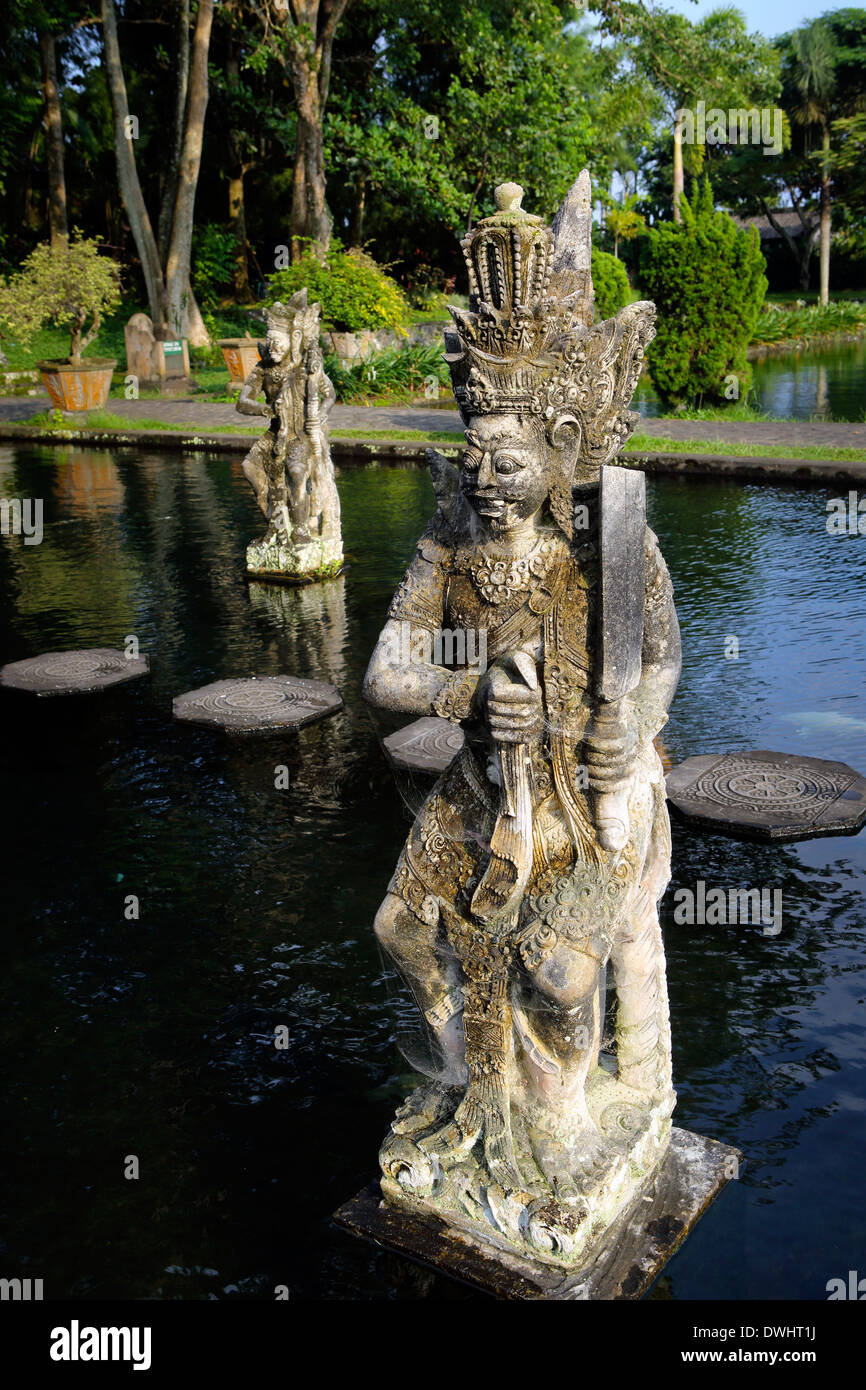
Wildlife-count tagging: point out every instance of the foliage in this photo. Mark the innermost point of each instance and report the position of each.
(610, 282)
(623, 222)
(214, 249)
(398, 373)
(65, 286)
(354, 292)
(707, 280)
(779, 323)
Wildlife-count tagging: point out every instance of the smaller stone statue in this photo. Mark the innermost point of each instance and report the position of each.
(290, 468)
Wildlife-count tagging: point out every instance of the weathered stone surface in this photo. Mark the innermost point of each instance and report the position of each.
(259, 705)
(768, 796)
(427, 745)
(290, 468)
(628, 1259)
(73, 673)
(509, 899)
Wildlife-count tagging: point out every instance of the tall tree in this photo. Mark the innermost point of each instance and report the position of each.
(165, 263)
(301, 34)
(814, 77)
(58, 226)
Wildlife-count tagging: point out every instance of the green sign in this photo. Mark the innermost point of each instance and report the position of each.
(173, 349)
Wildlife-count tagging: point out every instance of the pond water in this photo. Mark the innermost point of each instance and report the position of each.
(826, 382)
(154, 1037)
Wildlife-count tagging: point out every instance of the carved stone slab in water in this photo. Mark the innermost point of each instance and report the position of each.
(258, 705)
(73, 673)
(768, 796)
(427, 745)
(631, 1255)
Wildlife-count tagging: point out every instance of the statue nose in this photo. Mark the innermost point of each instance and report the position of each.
(486, 475)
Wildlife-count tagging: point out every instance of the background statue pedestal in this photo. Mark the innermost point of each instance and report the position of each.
(623, 1264)
(320, 558)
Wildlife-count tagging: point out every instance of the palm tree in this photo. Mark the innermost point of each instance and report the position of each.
(814, 76)
(623, 222)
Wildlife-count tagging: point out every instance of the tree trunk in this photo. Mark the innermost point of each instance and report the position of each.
(178, 259)
(679, 180)
(310, 220)
(238, 226)
(127, 173)
(824, 295)
(58, 228)
(169, 192)
(237, 208)
(356, 232)
(310, 29)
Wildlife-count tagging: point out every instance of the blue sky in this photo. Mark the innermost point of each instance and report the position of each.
(768, 17)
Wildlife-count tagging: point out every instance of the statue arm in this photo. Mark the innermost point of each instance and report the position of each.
(252, 387)
(401, 675)
(327, 394)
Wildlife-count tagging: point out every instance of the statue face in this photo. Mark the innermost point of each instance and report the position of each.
(279, 343)
(506, 469)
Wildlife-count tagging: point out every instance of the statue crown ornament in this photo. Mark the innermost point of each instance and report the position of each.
(528, 345)
(295, 314)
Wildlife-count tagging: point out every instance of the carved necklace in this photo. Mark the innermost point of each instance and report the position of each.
(499, 579)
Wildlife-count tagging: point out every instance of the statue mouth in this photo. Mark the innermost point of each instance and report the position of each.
(487, 505)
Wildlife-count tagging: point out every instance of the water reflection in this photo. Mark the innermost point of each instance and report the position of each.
(827, 380)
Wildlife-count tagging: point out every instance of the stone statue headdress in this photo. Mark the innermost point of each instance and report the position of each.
(297, 313)
(528, 344)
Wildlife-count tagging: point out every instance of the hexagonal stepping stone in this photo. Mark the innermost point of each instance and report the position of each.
(428, 745)
(768, 796)
(73, 673)
(259, 704)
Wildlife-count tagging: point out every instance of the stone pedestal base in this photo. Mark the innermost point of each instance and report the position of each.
(622, 1265)
(294, 564)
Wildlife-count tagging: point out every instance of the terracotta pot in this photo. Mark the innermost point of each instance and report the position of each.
(240, 356)
(85, 387)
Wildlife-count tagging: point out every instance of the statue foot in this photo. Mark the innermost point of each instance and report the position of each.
(453, 1140)
(423, 1108)
(570, 1160)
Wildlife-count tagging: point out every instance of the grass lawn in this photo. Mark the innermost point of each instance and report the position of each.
(639, 443)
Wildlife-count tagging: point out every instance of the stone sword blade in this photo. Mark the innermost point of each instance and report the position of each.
(622, 525)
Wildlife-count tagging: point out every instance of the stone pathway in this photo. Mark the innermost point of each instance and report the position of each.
(211, 416)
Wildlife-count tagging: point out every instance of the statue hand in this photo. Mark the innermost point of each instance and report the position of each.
(610, 742)
(513, 712)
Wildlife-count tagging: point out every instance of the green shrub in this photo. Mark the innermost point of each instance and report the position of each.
(65, 285)
(214, 248)
(707, 280)
(610, 282)
(397, 373)
(354, 292)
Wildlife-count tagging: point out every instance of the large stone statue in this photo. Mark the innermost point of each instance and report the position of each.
(542, 852)
(290, 467)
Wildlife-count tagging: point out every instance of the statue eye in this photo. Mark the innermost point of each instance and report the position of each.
(505, 463)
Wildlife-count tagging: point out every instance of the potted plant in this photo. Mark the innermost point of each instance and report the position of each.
(69, 285)
(240, 356)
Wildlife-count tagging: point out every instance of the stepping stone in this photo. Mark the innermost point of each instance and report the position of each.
(428, 745)
(258, 705)
(768, 796)
(73, 673)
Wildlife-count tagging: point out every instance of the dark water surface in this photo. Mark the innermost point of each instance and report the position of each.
(154, 1037)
